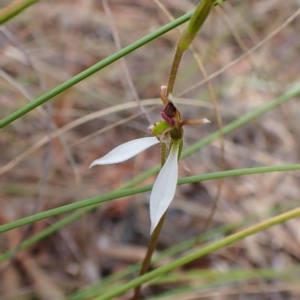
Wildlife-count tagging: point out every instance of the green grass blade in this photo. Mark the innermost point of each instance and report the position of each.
(77, 205)
(199, 16)
(93, 69)
(200, 253)
(13, 9)
(48, 231)
(138, 190)
(106, 283)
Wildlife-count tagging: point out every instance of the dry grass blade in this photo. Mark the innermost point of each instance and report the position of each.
(81, 121)
(245, 55)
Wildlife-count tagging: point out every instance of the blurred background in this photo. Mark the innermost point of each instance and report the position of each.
(42, 167)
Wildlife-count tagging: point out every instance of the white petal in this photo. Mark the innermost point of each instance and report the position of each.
(163, 190)
(125, 151)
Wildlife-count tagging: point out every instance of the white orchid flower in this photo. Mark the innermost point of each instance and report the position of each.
(168, 131)
(164, 188)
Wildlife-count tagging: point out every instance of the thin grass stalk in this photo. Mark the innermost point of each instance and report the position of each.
(13, 9)
(201, 252)
(133, 191)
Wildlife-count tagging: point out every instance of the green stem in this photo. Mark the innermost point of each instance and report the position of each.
(154, 237)
(202, 252)
(13, 9)
(197, 20)
(174, 70)
(147, 260)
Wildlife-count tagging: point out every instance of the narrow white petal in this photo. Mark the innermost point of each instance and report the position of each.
(163, 190)
(125, 151)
